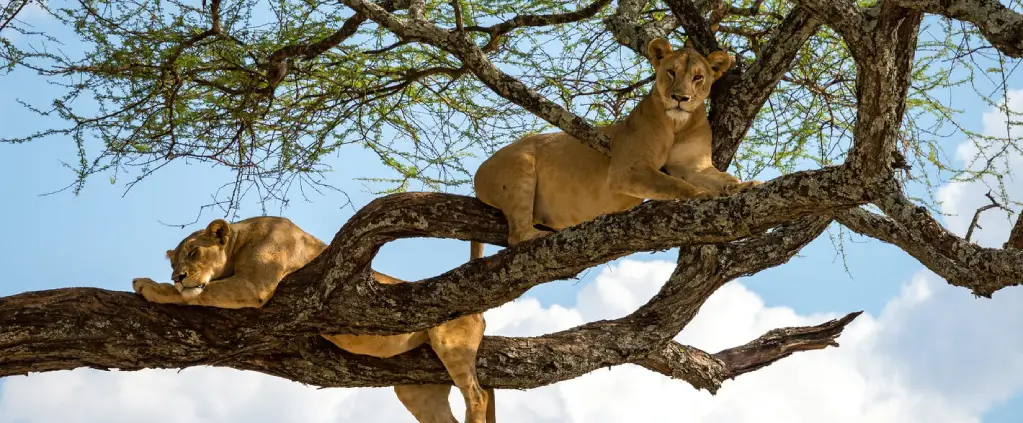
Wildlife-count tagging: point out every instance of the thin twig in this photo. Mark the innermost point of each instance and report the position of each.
(458, 15)
(976, 215)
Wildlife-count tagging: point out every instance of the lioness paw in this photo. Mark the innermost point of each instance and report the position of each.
(139, 284)
(701, 193)
(740, 187)
(156, 292)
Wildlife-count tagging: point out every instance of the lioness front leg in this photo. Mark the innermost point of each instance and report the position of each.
(235, 292)
(154, 292)
(710, 178)
(232, 292)
(648, 182)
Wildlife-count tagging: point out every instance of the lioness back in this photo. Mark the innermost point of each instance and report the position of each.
(290, 244)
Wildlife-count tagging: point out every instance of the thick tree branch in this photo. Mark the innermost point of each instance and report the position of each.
(1015, 240)
(333, 294)
(848, 21)
(475, 59)
(703, 269)
(697, 28)
(914, 230)
(102, 340)
(1001, 26)
(624, 25)
(122, 331)
(499, 278)
(882, 84)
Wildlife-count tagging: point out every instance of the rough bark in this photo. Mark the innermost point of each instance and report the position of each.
(697, 29)
(847, 20)
(915, 231)
(882, 82)
(80, 327)
(1015, 240)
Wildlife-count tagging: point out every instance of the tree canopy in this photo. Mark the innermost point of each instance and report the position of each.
(845, 100)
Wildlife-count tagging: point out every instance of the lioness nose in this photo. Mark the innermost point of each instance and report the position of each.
(180, 277)
(680, 98)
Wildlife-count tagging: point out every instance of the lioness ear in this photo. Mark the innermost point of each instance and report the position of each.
(657, 49)
(219, 230)
(719, 61)
(170, 254)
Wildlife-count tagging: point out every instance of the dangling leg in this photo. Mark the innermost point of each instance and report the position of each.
(428, 403)
(456, 343)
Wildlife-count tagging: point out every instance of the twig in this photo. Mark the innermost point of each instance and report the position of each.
(458, 15)
(976, 215)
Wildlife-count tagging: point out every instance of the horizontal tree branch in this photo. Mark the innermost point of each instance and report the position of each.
(118, 330)
(1001, 26)
(513, 363)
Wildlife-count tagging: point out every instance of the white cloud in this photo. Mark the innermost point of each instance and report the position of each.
(961, 199)
(934, 354)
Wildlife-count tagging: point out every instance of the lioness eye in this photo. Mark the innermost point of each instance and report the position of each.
(698, 78)
(191, 254)
(671, 73)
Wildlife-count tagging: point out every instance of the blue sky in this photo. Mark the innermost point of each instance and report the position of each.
(104, 238)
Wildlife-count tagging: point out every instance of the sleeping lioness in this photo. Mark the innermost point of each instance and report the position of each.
(236, 265)
(556, 181)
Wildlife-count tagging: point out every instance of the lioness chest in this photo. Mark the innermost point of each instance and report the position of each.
(572, 185)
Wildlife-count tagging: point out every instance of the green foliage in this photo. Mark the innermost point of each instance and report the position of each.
(153, 85)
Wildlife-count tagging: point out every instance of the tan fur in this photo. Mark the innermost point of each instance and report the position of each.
(237, 265)
(556, 181)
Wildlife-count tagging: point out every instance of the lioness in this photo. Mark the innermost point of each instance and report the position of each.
(236, 265)
(556, 181)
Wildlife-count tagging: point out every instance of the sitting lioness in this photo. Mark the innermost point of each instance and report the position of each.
(236, 265)
(556, 181)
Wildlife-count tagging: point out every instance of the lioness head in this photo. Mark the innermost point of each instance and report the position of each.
(683, 77)
(200, 258)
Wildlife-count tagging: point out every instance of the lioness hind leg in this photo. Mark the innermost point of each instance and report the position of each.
(507, 181)
(456, 343)
(428, 403)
